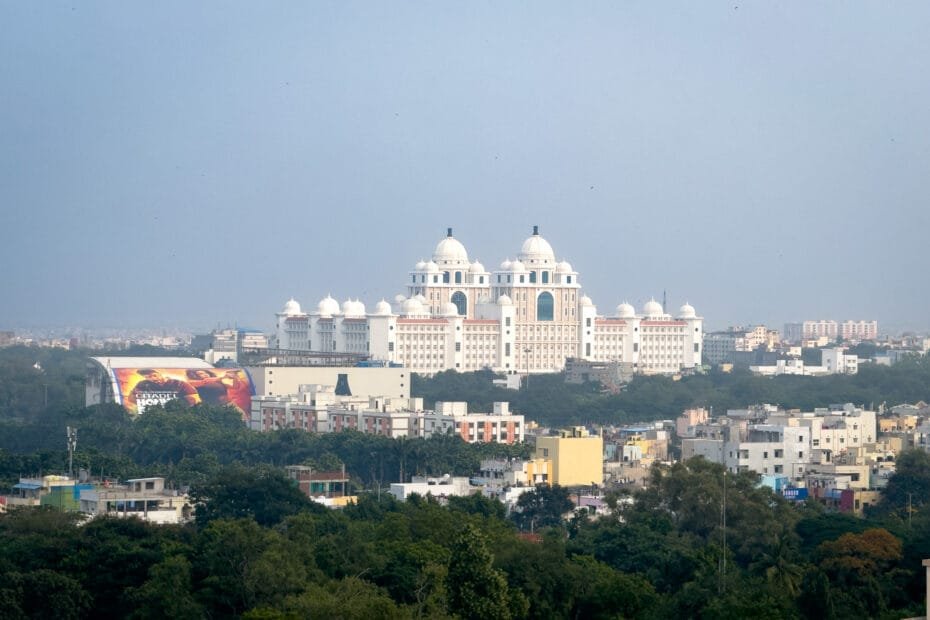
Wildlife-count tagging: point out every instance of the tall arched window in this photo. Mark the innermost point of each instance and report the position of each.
(545, 277)
(458, 277)
(532, 276)
(544, 307)
(458, 298)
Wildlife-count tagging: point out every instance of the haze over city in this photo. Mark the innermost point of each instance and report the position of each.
(178, 165)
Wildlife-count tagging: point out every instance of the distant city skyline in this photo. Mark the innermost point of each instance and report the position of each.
(194, 166)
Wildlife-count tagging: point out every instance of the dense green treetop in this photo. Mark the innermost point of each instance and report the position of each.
(665, 552)
(551, 401)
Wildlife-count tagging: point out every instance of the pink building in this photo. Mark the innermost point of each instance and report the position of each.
(859, 330)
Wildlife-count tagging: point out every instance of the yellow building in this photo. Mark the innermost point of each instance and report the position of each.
(577, 457)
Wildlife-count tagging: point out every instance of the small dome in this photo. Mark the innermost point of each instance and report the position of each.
(686, 311)
(476, 267)
(356, 309)
(327, 306)
(420, 298)
(626, 311)
(536, 250)
(564, 267)
(449, 309)
(382, 308)
(399, 299)
(506, 264)
(450, 250)
(517, 266)
(585, 301)
(432, 267)
(412, 306)
(653, 308)
(291, 308)
(504, 300)
(484, 299)
(420, 266)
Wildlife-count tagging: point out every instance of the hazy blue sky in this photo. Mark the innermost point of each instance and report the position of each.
(194, 164)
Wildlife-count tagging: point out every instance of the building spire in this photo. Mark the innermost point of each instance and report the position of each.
(535, 230)
(449, 232)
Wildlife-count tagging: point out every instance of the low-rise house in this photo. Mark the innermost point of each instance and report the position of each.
(497, 426)
(440, 488)
(58, 492)
(317, 408)
(143, 498)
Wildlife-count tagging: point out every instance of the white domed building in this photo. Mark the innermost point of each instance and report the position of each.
(292, 325)
(527, 316)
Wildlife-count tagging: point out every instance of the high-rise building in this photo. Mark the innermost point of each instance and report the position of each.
(527, 316)
(859, 330)
(812, 330)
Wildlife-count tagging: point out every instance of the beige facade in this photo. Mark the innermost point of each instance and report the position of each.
(285, 380)
(527, 316)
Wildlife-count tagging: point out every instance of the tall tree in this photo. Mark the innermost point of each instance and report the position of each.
(909, 487)
(544, 506)
(476, 589)
(261, 493)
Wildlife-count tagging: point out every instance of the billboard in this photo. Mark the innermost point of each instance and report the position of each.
(794, 493)
(140, 388)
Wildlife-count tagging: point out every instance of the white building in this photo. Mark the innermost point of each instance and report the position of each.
(440, 488)
(501, 473)
(786, 444)
(833, 362)
(508, 479)
(719, 346)
(528, 315)
(771, 450)
(498, 426)
(837, 362)
(142, 498)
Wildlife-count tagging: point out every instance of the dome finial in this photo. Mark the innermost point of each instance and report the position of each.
(535, 230)
(449, 232)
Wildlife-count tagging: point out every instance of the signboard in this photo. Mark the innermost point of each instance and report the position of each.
(141, 388)
(795, 494)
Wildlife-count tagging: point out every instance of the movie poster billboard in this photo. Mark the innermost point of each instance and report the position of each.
(141, 388)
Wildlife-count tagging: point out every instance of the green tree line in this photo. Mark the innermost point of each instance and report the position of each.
(551, 401)
(188, 445)
(259, 549)
(33, 396)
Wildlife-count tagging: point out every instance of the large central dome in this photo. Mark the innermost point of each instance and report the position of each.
(450, 251)
(536, 250)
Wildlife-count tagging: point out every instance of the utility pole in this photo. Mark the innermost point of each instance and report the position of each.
(723, 520)
(72, 444)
